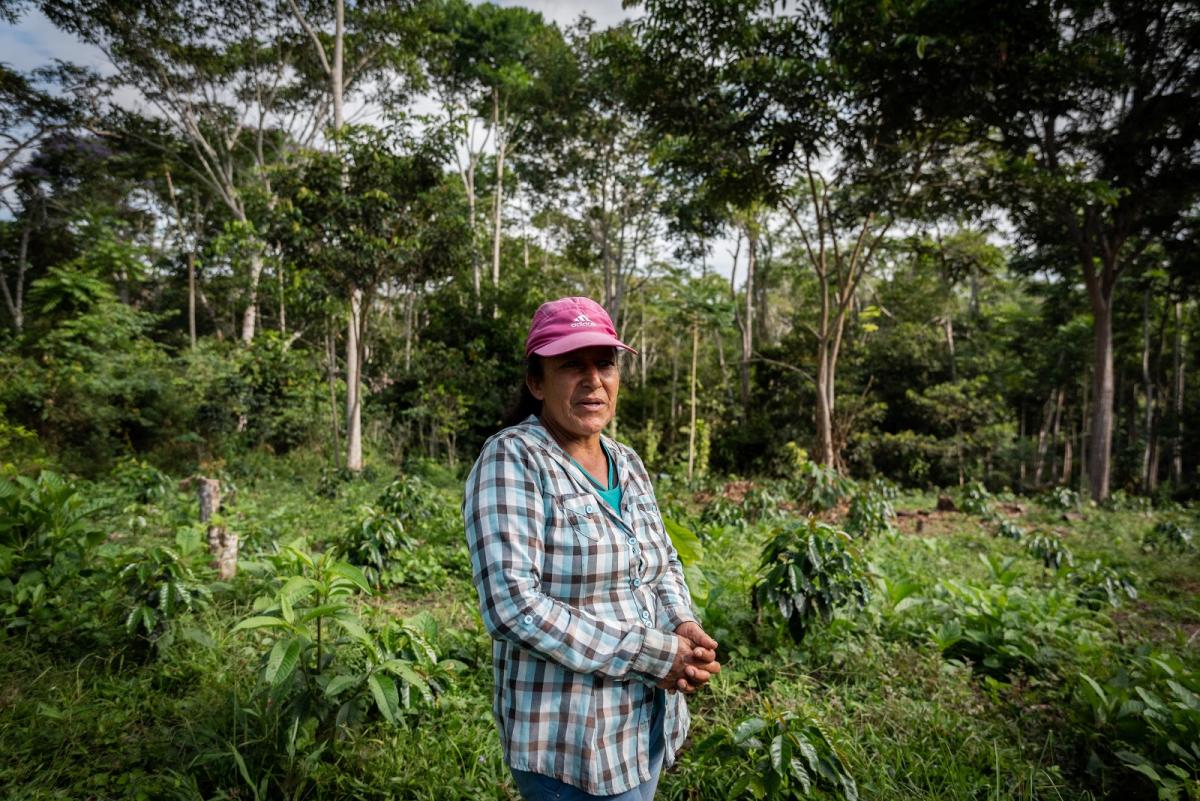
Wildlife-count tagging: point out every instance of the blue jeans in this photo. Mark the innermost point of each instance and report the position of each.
(537, 787)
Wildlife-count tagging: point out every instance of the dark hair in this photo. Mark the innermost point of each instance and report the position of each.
(524, 404)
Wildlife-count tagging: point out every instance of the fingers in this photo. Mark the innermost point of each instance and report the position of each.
(696, 634)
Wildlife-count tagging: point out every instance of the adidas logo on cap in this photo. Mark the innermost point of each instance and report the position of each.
(581, 321)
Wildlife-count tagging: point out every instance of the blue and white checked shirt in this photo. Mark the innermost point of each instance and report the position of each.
(581, 604)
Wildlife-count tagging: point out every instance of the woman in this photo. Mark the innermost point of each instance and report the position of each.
(578, 583)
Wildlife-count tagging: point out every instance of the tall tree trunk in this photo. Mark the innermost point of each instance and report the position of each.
(692, 424)
(1066, 466)
(331, 374)
(1100, 447)
(354, 460)
(499, 121)
(1148, 391)
(1085, 433)
(674, 384)
(250, 315)
(1048, 413)
(1055, 428)
(748, 321)
(14, 299)
(1177, 439)
(823, 412)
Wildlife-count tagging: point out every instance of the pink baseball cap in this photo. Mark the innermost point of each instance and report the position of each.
(568, 324)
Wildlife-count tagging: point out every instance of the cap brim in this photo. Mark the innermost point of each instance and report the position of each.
(581, 339)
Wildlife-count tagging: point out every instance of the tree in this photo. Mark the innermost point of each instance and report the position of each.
(374, 213)
(36, 107)
(217, 74)
(1092, 104)
(510, 68)
(372, 51)
(752, 106)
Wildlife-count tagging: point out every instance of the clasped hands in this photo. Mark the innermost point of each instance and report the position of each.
(695, 661)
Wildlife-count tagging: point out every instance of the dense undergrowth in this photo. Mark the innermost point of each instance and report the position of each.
(1028, 649)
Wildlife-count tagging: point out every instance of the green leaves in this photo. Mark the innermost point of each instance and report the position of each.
(325, 662)
(807, 571)
(685, 542)
(780, 755)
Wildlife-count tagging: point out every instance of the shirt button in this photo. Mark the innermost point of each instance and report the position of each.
(637, 582)
(645, 614)
(528, 619)
(632, 540)
(589, 509)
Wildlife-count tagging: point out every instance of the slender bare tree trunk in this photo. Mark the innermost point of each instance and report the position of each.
(331, 372)
(1100, 286)
(1177, 439)
(748, 321)
(1085, 435)
(674, 383)
(498, 202)
(354, 459)
(1048, 413)
(1066, 467)
(1055, 428)
(692, 425)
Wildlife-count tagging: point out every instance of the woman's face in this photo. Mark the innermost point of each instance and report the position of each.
(578, 390)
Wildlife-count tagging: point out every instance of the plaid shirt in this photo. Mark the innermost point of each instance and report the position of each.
(581, 604)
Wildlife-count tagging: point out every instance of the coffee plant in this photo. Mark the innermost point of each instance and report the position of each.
(1147, 717)
(818, 489)
(974, 499)
(780, 755)
(1050, 550)
(809, 569)
(1010, 530)
(1169, 535)
(1097, 583)
(871, 510)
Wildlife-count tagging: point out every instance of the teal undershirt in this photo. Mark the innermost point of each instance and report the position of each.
(611, 495)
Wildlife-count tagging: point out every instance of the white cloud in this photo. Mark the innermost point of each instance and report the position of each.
(35, 42)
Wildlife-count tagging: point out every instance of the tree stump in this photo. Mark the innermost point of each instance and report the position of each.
(222, 544)
(946, 504)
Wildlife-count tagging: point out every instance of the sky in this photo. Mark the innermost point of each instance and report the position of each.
(35, 42)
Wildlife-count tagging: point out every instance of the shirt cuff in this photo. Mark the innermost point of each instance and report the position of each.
(680, 614)
(657, 656)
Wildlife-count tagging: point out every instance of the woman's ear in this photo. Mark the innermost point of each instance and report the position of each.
(535, 387)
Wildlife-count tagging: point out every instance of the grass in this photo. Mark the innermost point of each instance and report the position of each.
(909, 722)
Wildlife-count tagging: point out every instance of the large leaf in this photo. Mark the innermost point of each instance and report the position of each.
(383, 688)
(261, 622)
(352, 574)
(687, 544)
(281, 664)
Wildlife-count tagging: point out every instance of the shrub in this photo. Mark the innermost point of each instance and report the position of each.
(48, 542)
(1051, 550)
(808, 570)
(1010, 530)
(1063, 499)
(323, 665)
(818, 489)
(780, 755)
(1097, 583)
(163, 583)
(1147, 717)
(974, 499)
(1168, 535)
(1004, 629)
(871, 510)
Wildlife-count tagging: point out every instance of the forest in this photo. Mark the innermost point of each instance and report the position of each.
(913, 286)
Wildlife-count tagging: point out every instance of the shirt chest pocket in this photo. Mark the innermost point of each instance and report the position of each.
(582, 515)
